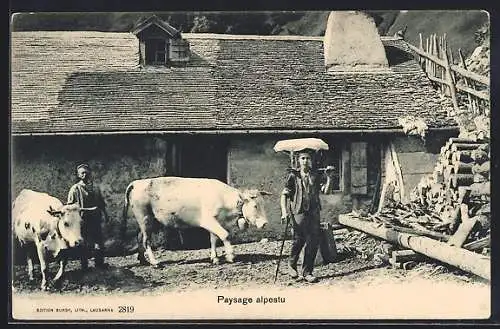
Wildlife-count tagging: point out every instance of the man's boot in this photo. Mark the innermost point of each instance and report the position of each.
(99, 258)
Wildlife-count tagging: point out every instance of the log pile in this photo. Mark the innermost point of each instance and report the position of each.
(452, 205)
(457, 194)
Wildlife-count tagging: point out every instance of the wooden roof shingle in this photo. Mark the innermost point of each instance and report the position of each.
(66, 82)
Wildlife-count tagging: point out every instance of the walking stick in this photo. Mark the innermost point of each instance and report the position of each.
(283, 241)
(281, 249)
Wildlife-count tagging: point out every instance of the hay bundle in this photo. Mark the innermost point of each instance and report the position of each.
(352, 43)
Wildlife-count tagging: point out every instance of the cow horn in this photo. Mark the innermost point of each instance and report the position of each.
(88, 209)
(53, 212)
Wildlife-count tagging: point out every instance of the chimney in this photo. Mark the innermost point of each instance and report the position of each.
(352, 43)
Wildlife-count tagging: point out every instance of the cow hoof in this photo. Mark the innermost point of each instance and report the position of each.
(142, 260)
(215, 261)
(230, 259)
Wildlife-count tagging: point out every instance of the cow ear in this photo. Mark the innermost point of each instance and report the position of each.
(250, 194)
(265, 193)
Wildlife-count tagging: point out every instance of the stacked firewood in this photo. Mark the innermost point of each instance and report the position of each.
(458, 191)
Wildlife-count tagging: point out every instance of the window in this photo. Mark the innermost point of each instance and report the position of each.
(156, 51)
(330, 164)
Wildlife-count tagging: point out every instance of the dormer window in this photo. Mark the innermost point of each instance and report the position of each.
(160, 43)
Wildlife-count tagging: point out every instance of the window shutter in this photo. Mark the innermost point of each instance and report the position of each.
(179, 50)
(359, 171)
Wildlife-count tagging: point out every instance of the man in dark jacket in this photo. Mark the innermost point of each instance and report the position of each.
(302, 189)
(86, 194)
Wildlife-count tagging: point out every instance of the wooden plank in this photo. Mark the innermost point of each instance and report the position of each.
(449, 78)
(359, 180)
(441, 81)
(346, 169)
(472, 101)
(402, 256)
(471, 75)
(478, 244)
(468, 74)
(427, 55)
(478, 94)
(463, 231)
(399, 174)
(459, 257)
(434, 51)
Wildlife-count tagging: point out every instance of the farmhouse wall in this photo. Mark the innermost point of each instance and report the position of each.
(47, 164)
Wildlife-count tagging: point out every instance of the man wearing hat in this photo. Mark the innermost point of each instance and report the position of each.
(302, 190)
(86, 194)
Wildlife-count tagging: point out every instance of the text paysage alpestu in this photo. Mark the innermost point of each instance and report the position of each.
(250, 300)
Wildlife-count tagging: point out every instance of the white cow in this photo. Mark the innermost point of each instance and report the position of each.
(180, 202)
(43, 220)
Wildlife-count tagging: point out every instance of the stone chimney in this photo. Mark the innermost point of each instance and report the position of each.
(352, 43)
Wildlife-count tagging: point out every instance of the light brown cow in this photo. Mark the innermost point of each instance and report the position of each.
(43, 220)
(181, 202)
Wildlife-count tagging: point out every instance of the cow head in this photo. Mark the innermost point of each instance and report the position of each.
(69, 221)
(253, 208)
(54, 244)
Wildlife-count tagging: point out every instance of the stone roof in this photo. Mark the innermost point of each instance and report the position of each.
(64, 82)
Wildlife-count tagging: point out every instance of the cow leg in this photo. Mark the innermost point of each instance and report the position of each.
(29, 260)
(215, 228)
(213, 249)
(43, 265)
(84, 256)
(140, 249)
(62, 266)
(146, 230)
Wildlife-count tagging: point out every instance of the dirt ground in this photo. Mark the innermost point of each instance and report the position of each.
(355, 286)
(255, 265)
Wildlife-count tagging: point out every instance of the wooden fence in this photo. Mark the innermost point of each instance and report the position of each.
(465, 87)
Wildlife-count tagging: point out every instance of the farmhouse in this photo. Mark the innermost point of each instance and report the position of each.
(156, 102)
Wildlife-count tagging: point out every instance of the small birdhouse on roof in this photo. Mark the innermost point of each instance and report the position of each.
(160, 43)
(352, 43)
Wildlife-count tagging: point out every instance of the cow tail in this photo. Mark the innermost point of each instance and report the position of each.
(123, 228)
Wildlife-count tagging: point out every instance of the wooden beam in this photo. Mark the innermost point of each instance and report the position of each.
(471, 75)
(399, 174)
(459, 257)
(472, 102)
(474, 92)
(456, 68)
(398, 131)
(438, 80)
(427, 55)
(478, 244)
(449, 78)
